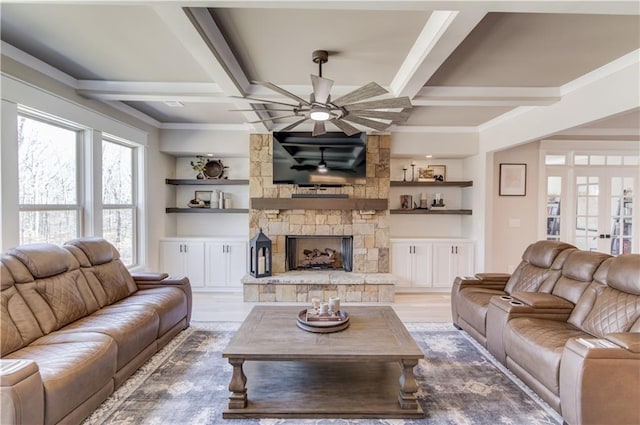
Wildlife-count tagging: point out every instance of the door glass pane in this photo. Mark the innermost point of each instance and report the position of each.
(581, 159)
(587, 191)
(614, 160)
(597, 160)
(554, 191)
(621, 214)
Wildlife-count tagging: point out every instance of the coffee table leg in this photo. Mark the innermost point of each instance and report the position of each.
(408, 385)
(238, 385)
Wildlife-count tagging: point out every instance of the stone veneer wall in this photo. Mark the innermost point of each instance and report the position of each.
(370, 231)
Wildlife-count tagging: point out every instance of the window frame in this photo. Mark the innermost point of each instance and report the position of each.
(79, 206)
(134, 205)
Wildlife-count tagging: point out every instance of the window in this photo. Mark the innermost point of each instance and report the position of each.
(49, 204)
(118, 198)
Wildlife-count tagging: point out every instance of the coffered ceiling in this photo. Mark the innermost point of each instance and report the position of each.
(463, 64)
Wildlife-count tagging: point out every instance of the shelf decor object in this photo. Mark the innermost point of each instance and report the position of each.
(513, 179)
(260, 255)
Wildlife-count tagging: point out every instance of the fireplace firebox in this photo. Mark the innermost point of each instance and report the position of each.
(319, 252)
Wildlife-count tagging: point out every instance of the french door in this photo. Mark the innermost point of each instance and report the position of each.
(605, 203)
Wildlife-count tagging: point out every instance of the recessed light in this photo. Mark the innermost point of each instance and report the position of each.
(428, 156)
(209, 154)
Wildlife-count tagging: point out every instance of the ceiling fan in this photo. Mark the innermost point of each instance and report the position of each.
(350, 108)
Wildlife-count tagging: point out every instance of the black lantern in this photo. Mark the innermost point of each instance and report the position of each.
(260, 255)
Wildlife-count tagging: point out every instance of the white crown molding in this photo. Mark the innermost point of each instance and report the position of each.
(433, 129)
(36, 64)
(221, 127)
(486, 96)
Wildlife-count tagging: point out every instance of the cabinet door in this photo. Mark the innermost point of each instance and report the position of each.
(216, 264)
(193, 253)
(422, 264)
(402, 262)
(237, 264)
(464, 260)
(443, 264)
(171, 258)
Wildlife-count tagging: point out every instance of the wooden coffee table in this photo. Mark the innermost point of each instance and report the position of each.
(364, 371)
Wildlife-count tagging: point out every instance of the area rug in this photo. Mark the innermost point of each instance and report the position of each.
(460, 383)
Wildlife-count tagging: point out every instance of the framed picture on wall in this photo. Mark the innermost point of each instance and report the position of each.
(513, 180)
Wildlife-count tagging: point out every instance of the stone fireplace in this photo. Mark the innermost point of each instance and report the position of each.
(285, 213)
(319, 252)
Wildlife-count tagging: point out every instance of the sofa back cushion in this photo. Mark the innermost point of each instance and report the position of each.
(577, 274)
(611, 304)
(540, 267)
(49, 280)
(18, 325)
(100, 262)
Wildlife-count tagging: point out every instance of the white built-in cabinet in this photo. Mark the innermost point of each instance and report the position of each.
(209, 263)
(431, 263)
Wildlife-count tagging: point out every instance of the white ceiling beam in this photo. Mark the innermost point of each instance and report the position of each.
(486, 96)
(200, 36)
(148, 91)
(443, 32)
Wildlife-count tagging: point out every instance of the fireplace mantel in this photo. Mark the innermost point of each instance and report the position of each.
(319, 204)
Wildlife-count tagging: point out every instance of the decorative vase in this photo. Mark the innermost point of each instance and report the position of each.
(200, 176)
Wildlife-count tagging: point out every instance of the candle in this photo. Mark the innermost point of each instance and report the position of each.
(324, 308)
(316, 303)
(334, 304)
(423, 196)
(261, 265)
(438, 196)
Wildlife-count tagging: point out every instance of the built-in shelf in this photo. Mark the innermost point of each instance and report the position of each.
(208, 210)
(422, 184)
(206, 182)
(319, 204)
(423, 211)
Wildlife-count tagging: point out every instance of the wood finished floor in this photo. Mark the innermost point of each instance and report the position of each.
(410, 307)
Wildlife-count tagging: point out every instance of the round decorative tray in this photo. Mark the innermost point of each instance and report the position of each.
(323, 325)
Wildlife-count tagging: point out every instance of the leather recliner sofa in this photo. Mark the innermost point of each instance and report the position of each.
(75, 325)
(578, 344)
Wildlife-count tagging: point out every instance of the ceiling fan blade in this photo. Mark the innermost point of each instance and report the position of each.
(395, 102)
(346, 128)
(259, 110)
(376, 125)
(272, 119)
(265, 101)
(384, 115)
(319, 128)
(321, 88)
(283, 92)
(294, 125)
(364, 92)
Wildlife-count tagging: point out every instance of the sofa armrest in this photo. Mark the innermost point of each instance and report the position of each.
(542, 300)
(163, 280)
(599, 381)
(146, 277)
(21, 392)
(493, 277)
(627, 340)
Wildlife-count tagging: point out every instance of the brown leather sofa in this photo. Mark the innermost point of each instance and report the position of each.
(75, 325)
(578, 344)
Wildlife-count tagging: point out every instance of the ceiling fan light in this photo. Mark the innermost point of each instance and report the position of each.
(322, 168)
(319, 113)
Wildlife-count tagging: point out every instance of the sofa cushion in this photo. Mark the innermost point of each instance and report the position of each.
(578, 272)
(169, 303)
(133, 328)
(97, 250)
(18, 325)
(623, 274)
(540, 267)
(73, 367)
(536, 345)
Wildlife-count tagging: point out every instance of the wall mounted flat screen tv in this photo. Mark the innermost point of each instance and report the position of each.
(332, 159)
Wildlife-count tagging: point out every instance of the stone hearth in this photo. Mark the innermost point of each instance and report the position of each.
(302, 286)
